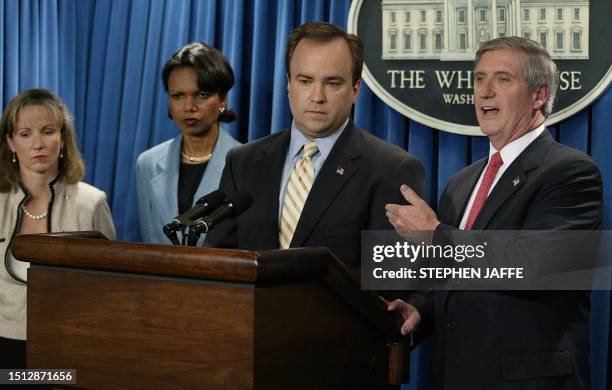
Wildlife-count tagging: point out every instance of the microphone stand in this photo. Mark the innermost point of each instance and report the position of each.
(196, 228)
(193, 237)
(183, 236)
(170, 232)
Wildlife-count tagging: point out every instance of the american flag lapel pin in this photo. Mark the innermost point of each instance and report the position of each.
(340, 171)
(516, 181)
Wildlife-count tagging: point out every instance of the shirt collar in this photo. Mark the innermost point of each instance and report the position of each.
(511, 151)
(325, 144)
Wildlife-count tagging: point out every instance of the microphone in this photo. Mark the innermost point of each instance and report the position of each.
(235, 205)
(204, 206)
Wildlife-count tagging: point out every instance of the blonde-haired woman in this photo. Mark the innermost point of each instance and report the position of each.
(40, 192)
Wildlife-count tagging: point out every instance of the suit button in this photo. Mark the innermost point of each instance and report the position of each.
(451, 324)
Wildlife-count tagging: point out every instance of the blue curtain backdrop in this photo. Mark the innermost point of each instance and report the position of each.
(104, 59)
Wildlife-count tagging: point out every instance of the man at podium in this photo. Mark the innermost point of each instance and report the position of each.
(324, 180)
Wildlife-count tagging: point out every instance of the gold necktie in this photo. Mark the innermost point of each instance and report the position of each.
(298, 186)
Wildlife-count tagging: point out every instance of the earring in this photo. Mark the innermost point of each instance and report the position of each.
(221, 109)
(14, 156)
(62, 153)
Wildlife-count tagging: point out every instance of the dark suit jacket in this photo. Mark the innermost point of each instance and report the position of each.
(339, 206)
(516, 340)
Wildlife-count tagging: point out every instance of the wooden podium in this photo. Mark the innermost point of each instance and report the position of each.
(138, 316)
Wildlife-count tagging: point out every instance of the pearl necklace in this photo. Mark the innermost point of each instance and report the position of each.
(197, 159)
(32, 216)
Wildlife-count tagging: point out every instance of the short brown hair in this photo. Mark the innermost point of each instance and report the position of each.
(539, 69)
(71, 166)
(325, 32)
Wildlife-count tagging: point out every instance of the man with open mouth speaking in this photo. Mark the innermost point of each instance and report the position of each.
(508, 339)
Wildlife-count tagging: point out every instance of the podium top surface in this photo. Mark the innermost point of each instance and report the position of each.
(90, 250)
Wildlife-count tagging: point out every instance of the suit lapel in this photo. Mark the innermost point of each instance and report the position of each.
(271, 162)
(503, 190)
(212, 174)
(513, 178)
(341, 164)
(165, 182)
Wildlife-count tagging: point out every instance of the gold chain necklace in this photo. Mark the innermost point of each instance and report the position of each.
(196, 159)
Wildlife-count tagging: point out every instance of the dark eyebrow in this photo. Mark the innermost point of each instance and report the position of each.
(330, 78)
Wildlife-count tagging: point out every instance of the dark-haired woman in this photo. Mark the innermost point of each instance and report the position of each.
(40, 192)
(176, 173)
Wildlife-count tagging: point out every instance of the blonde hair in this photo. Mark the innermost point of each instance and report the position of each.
(71, 166)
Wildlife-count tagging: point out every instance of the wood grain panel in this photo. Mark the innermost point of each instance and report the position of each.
(202, 338)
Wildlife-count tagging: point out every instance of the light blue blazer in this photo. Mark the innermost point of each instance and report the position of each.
(157, 173)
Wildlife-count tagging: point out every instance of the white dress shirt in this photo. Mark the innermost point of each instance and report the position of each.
(508, 153)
